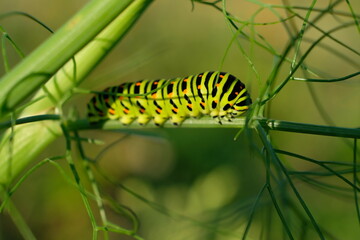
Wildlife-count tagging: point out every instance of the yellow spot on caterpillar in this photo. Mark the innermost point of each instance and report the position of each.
(189, 105)
(170, 95)
(111, 111)
(202, 103)
(137, 96)
(121, 98)
(138, 84)
(236, 93)
(126, 111)
(142, 110)
(186, 79)
(153, 95)
(156, 83)
(221, 76)
(200, 75)
(175, 110)
(185, 91)
(216, 101)
(199, 86)
(172, 82)
(218, 84)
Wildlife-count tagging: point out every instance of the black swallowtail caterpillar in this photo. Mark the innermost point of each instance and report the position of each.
(218, 94)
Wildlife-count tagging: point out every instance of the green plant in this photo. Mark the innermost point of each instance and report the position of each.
(280, 205)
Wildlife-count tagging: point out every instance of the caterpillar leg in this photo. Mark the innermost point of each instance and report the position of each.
(216, 116)
(177, 120)
(143, 119)
(217, 119)
(160, 120)
(127, 120)
(226, 116)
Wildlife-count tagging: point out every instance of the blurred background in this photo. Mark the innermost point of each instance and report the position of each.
(198, 183)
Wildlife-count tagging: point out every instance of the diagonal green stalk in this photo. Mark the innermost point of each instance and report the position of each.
(322, 164)
(300, 36)
(274, 201)
(79, 184)
(356, 181)
(17, 218)
(47, 59)
(253, 210)
(58, 89)
(274, 157)
(94, 185)
(305, 55)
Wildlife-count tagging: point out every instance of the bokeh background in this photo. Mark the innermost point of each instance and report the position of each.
(189, 176)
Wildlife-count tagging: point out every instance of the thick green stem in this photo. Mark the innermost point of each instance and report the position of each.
(30, 139)
(47, 59)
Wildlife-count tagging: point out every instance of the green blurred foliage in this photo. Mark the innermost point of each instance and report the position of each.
(200, 174)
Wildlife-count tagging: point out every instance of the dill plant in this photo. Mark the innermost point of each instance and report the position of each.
(283, 206)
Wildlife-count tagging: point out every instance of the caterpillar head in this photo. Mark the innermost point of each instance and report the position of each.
(242, 104)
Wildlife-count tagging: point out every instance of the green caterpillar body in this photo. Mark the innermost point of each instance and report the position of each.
(218, 94)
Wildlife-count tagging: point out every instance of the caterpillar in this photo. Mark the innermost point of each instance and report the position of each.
(218, 94)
